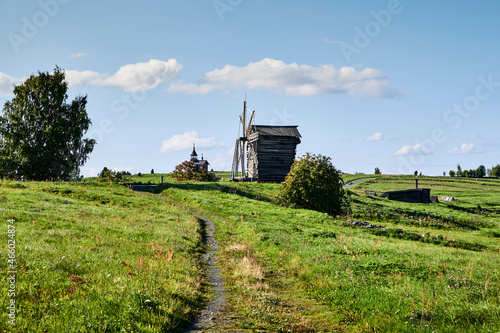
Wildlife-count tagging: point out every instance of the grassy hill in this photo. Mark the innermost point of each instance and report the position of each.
(102, 255)
(97, 257)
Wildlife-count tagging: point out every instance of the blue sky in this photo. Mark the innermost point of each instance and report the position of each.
(400, 85)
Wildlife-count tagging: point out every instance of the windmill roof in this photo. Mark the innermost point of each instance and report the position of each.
(276, 130)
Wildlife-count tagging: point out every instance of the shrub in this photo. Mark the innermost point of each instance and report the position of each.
(110, 175)
(186, 171)
(314, 183)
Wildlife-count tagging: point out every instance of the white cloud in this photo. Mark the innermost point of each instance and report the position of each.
(131, 77)
(292, 79)
(377, 136)
(465, 148)
(185, 141)
(222, 162)
(78, 79)
(7, 84)
(77, 55)
(143, 76)
(190, 88)
(412, 150)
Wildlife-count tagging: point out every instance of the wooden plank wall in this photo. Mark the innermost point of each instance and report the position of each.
(275, 156)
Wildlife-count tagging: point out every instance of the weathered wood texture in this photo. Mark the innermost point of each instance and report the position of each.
(271, 151)
(421, 195)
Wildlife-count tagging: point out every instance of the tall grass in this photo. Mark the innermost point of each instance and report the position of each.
(98, 257)
(442, 274)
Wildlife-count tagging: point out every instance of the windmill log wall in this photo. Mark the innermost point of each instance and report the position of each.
(271, 151)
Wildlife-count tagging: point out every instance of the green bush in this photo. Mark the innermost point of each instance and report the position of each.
(187, 171)
(110, 175)
(314, 183)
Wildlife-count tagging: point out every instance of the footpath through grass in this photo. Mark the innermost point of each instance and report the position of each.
(424, 268)
(99, 257)
(95, 257)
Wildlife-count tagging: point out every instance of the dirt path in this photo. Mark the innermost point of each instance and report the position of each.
(354, 182)
(213, 306)
(216, 304)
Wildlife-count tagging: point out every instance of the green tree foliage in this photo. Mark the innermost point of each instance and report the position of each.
(104, 172)
(314, 183)
(495, 171)
(186, 171)
(110, 175)
(377, 171)
(452, 173)
(481, 171)
(41, 136)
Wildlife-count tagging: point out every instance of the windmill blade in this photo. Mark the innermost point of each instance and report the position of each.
(236, 159)
(249, 127)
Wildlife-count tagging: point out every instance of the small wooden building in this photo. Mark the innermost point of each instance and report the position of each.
(419, 195)
(271, 152)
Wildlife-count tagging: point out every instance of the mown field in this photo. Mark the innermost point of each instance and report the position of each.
(99, 257)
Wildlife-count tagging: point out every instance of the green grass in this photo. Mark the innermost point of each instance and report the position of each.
(434, 268)
(149, 178)
(101, 255)
(473, 216)
(98, 257)
(348, 177)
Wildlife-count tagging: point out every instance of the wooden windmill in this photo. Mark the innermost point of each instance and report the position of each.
(240, 148)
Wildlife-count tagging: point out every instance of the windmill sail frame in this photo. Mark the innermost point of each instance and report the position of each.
(240, 148)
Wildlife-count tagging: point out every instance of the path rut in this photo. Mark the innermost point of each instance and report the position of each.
(355, 181)
(213, 306)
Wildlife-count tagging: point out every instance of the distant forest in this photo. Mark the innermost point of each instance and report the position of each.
(480, 172)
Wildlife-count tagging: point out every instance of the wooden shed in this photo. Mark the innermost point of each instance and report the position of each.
(419, 195)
